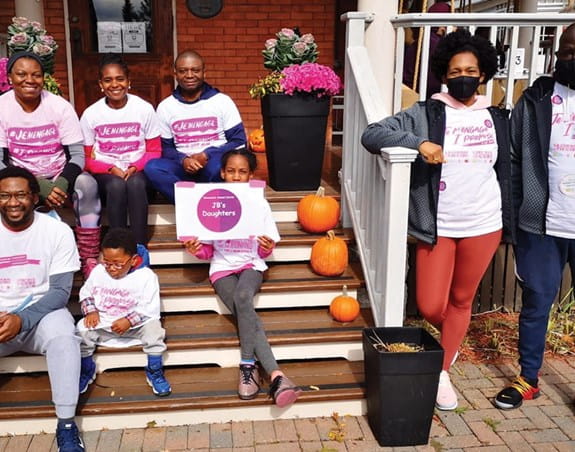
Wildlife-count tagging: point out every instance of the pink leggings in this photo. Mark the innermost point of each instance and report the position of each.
(447, 276)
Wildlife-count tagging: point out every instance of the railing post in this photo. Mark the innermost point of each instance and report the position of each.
(396, 169)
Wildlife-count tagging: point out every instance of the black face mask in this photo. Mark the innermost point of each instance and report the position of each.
(565, 72)
(463, 87)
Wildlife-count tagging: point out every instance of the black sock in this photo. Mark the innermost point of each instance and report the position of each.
(530, 381)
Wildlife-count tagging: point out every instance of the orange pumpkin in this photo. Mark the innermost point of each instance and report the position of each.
(344, 308)
(257, 141)
(318, 213)
(329, 255)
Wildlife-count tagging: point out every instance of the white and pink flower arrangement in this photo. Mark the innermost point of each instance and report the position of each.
(4, 85)
(292, 60)
(29, 36)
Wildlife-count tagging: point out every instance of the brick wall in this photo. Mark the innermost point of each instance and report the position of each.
(7, 11)
(231, 42)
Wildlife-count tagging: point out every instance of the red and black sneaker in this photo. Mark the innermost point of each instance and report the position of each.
(513, 395)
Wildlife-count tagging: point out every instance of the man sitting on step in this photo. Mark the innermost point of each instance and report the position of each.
(38, 259)
(198, 124)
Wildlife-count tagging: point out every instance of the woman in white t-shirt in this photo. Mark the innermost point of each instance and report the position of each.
(120, 135)
(460, 194)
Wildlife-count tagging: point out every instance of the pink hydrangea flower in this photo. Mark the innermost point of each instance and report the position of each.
(4, 85)
(311, 78)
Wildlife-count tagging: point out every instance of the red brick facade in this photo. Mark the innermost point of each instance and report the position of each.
(230, 43)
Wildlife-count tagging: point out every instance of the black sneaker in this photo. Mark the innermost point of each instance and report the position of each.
(69, 439)
(513, 395)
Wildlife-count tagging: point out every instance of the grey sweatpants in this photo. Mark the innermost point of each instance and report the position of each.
(54, 337)
(150, 333)
(237, 291)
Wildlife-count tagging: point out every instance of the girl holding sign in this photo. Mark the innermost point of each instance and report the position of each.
(236, 272)
(120, 135)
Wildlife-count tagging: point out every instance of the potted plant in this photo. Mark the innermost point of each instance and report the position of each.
(402, 367)
(4, 85)
(295, 100)
(29, 36)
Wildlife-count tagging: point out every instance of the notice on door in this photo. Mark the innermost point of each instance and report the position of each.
(134, 37)
(109, 37)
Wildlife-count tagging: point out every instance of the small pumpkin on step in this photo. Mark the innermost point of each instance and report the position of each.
(329, 255)
(317, 212)
(256, 140)
(344, 308)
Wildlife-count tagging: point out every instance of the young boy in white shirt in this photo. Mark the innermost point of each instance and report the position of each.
(121, 304)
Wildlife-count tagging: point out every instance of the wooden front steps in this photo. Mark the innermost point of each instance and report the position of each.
(200, 394)
(203, 349)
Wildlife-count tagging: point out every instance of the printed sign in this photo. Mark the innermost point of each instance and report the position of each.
(219, 211)
(109, 37)
(134, 37)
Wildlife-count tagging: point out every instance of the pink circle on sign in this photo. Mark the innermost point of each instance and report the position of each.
(219, 210)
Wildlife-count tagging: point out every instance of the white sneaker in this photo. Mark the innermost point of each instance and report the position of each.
(446, 397)
(454, 358)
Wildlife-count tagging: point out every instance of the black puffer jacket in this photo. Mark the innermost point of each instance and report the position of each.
(425, 121)
(530, 135)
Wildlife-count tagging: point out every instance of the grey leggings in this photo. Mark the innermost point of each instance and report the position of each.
(237, 292)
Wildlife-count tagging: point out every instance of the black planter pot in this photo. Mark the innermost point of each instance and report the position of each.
(401, 387)
(294, 129)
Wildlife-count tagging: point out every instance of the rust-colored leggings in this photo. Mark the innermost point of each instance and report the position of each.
(447, 277)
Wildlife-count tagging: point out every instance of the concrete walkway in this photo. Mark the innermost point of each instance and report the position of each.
(545, 424)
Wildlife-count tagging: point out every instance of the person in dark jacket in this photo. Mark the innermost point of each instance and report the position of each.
(543, 180)
(460, 190)
(198, 124)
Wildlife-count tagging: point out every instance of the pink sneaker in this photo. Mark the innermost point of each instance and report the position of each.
(284, 391)
(446, 397)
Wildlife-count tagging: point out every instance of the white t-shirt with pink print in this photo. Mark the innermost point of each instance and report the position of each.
(198, 125)
(36, 140)
(118, 136)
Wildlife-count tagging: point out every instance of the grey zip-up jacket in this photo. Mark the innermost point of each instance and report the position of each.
(425, 121)
(530, 135)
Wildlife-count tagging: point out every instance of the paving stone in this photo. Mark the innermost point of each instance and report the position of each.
(553, 395)
(306, 430)
(41, 442)
(352, 428)
(514, 424)
(458, 441)
(544, 447)
(437, 430)
(487, 449)
(285, 430)
(132, 439)
(365, 428)
(310, 446)
(490, 370)
(221, 435)
(324, 426)
(90, 440)
(334, 446)
(469, 370)
(243, 434)
(154, 439)
(279, 447)
(565, 446)
(480, 415)
(568, 389)
(363, 446)
(405, 449)
(544, 436)
(176, 438)
(515, 441)
(509, 370)
(245, 449)
(454, 423)
(485, 433)
(18, 443)
(513, 414)
(538, 417)
(477, 383)
(426, 448)
(477, 399)
(109, 440)
(563, 369)
(264, 432)
(557, 410)
(566, 424)
(199, 436)
(3, 441)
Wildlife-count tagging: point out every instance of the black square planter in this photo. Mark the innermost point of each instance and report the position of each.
(401, 387)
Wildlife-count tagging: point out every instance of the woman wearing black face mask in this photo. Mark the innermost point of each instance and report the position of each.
(460, 203)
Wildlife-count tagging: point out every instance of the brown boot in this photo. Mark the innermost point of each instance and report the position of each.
(88, 241)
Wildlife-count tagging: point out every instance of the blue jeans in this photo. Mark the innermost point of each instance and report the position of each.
(540, 260)
(164, 173)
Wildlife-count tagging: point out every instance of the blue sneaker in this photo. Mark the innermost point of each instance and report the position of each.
(155, 377)
(69, 439)
(87, 373)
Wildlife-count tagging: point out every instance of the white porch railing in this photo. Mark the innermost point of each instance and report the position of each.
(375, 189)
